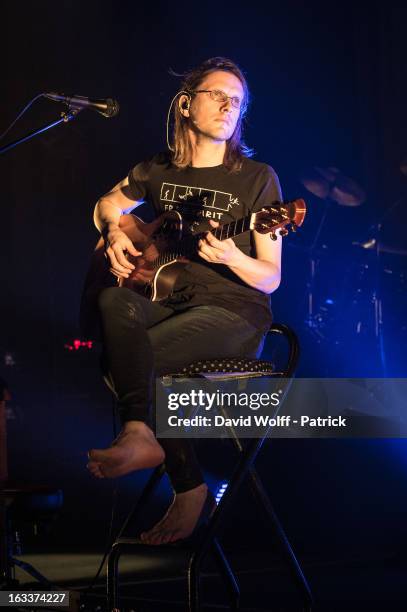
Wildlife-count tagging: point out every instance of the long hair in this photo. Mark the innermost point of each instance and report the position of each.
(236, 149)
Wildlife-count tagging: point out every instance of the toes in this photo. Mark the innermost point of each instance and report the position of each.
(168, 537)
(96, 455)
(155, 538)
(145, 537)
(95, 469)
(148, 537)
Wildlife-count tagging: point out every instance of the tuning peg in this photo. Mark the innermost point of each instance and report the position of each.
(293, 227)
(273, 236)
(283, 232)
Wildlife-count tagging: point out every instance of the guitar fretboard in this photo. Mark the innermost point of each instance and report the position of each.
(187, 247)
(234, 228)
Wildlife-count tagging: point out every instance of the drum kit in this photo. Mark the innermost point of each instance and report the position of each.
(369, 283)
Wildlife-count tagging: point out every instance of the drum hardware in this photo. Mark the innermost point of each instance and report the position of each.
(383, 245)
(333, 187)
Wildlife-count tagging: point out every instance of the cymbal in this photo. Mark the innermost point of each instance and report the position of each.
(372, 245)
(330, 183)
(347, 192)
(328, 174)
(316, 185)
(393, 250)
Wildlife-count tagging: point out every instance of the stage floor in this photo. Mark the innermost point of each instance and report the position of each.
(265, 585)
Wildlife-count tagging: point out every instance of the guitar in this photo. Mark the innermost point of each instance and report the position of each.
(166, 247)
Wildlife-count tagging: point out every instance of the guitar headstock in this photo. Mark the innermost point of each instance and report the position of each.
(279, 216)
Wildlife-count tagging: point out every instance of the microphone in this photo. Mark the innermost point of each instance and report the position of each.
(106, 107)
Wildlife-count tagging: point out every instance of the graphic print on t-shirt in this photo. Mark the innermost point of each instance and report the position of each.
(213, 202)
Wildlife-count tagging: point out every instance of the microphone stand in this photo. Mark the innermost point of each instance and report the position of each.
(65, 118)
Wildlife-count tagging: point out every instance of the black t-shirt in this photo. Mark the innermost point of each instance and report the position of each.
(214, 193)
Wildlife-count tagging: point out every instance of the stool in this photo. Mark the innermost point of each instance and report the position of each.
(19, 502)
(187, 560)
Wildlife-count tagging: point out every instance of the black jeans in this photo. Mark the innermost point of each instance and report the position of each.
(143, 339)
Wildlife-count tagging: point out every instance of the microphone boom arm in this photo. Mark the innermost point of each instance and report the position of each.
(65, 118)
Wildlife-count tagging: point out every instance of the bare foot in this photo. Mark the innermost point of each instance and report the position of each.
(135, 448)
(180, 519)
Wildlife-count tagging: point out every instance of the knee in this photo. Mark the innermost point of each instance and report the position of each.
(109, 299)
(117, 303)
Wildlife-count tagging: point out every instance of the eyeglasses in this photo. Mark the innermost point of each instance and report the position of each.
(219, 96)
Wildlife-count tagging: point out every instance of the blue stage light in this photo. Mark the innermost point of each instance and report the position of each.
(220, 491)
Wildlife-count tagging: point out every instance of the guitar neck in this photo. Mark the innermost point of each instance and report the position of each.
(239, 226)
(281, 214)
(229, 230)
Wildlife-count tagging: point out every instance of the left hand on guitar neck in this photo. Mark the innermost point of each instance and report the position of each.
(219, 251)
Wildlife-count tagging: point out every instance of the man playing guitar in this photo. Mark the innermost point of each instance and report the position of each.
(219, 306)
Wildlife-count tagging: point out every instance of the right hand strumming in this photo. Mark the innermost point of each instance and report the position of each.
(117, 244)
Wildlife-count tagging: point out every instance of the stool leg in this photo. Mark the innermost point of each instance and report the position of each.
(194, 595)
(262, 497)
(264, 500)
(112, 579)
(194, 587)
(295, 568)
(113, 558)
(237, 478)
(239, 474)
(227, 574)
(242, 469)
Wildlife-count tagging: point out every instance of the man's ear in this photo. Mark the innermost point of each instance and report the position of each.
(184, 103)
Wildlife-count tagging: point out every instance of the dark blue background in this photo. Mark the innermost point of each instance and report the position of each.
(329, 89)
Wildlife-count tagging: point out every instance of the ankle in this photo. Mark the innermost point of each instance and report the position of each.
(136, 427)
(199, 491)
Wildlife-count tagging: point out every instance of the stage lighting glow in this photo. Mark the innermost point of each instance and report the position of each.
(76, 344)
(220, 491)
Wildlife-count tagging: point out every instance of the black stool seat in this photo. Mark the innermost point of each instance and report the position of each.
(257, 367)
